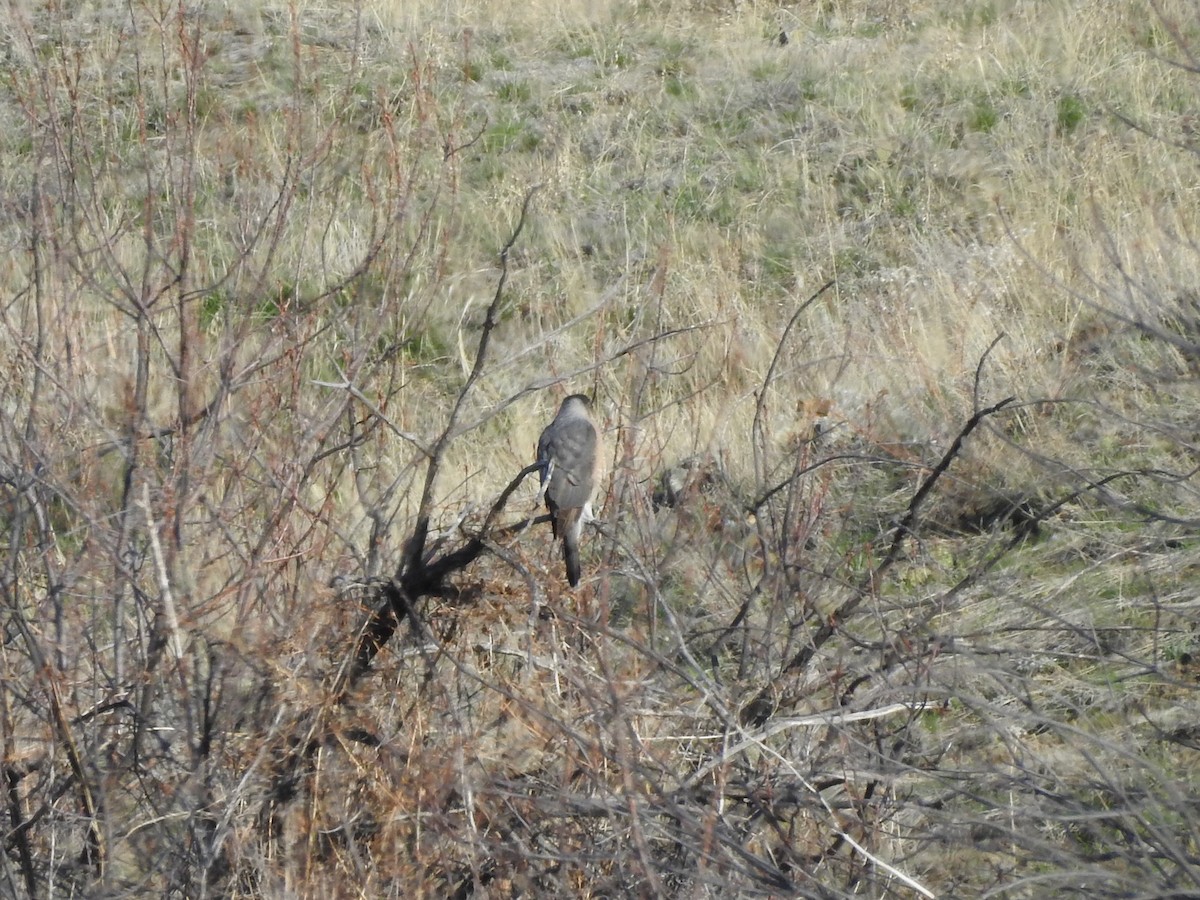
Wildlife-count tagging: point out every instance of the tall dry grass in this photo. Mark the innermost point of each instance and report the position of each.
(892, 328)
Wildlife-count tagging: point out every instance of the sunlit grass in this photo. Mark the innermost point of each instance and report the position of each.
(963, 175)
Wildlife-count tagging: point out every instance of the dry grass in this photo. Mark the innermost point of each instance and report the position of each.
(249, 257)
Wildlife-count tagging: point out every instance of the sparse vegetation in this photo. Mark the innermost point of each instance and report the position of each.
(890, 311)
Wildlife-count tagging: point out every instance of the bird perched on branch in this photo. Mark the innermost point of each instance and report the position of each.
(570, 473)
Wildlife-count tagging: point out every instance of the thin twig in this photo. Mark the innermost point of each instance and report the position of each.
(760, 708)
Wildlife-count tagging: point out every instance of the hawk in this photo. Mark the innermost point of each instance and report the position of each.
(570, 472)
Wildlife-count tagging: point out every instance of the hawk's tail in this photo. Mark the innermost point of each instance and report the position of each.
(571, 557)
(570, 524)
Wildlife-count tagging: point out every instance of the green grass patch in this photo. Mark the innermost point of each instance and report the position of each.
(1069, 113)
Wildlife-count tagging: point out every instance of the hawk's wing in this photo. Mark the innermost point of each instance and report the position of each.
(571, 446)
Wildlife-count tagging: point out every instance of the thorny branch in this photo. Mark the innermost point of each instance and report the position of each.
(418, 576)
